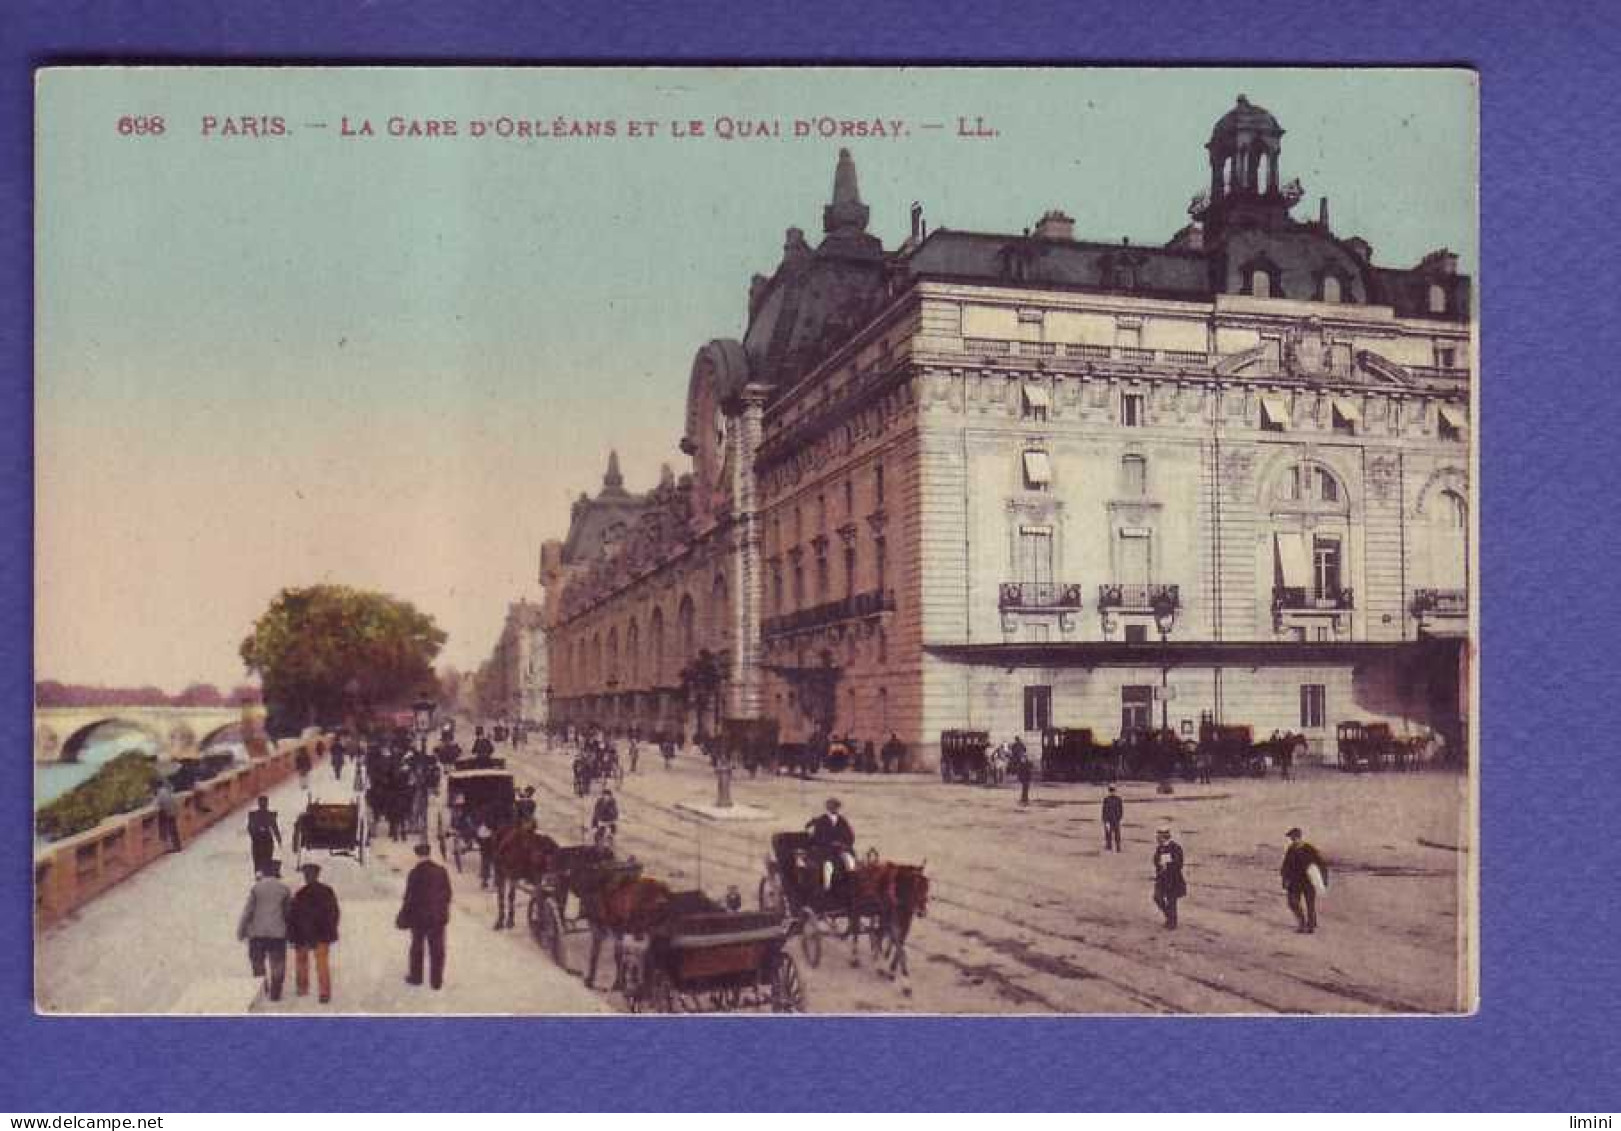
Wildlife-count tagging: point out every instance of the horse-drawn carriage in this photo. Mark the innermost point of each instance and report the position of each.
(1153, 755)
(338, 828)
(1372, 746)
(699, 957)
(878, 897)
(1071, 754)
(472, 797)
(964, 757)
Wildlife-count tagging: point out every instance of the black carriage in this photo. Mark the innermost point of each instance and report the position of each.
(702, 958)
(473, 796)
(1226, 750)
(1153, 755)
(751, 743)
(1071, 754)
(337, 828)
(1365, 746)
(963, 755)
(792, 890)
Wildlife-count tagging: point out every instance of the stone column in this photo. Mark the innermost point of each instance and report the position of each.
(744, 693)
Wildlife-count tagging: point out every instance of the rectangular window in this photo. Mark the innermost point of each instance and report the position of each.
(1133, 557)
(1134, 476)
(1446, 357)
(821, 514)
(1136, 634)
(878, 483)
(799, 586)
(1131, 410)
(1036, 555)
(1325, 563)
(1038, 471)
(821, 578)
(1038, 708)
(1313, 705)
(880, 563)
(1036, 402)
(776, 591)
(1037, 633)
(1136, 709)
(849, 497)
(850, 571)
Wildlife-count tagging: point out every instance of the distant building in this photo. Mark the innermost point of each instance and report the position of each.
(512, 682)
(1013, 481)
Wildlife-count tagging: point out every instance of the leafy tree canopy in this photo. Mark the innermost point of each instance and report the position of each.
(315, 647)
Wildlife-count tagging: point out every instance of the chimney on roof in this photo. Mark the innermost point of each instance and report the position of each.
(1322, 212)
(919, 228)
(1055, 225)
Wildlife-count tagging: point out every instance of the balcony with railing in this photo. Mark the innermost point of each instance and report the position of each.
(1301, 599)
(1440, 602)
(1080, 351)
(857, 606)
(1038, 595)
(1118, 595)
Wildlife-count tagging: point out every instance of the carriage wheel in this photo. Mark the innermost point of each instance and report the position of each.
(810, 940)
(546, 926)
(787, 990)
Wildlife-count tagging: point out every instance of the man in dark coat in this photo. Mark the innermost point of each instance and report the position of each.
(1297, 880)
(264, 835)
(605, 818)
(1114, 811)
(339, 753)
(833, 842)
(425, 913)
(301, 763)
(1024, 771)
(1169, 886)
(312, 928)
(893, 753)
(483, 748)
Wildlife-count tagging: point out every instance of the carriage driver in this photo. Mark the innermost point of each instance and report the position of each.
(833, 841)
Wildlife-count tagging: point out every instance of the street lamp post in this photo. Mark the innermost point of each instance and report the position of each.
(423, 710)
(1164, 607)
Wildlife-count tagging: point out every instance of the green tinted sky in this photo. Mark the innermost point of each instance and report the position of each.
(391, 362)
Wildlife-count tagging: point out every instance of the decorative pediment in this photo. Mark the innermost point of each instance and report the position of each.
(1382, 369)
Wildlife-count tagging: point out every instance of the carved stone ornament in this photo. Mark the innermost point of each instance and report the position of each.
(1382, 477)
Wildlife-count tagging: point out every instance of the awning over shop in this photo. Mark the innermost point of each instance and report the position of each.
(1294, 563)
(1038, 469)
(1347, 408)
(1035, 396)
(1274, 412)
(1454, 417)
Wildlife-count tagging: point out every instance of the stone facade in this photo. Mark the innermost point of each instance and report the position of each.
(1011, 481)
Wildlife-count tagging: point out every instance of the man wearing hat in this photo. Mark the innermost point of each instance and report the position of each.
(833, 841)
(1169, 886)
(524, 807)
(425, 913)
(312, 927)
(1298, 881)
(263, 926)
(605, 818)
(1114, 811)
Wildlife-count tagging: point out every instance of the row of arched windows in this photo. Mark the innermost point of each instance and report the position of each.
(629, 659)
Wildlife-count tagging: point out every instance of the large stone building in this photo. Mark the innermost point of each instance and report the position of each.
(1007, 481)
(512, 682)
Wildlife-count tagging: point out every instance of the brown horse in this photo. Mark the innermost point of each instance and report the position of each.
(634, 905)
(892, 895)
(521, 853)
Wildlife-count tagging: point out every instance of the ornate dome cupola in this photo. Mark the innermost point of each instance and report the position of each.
(1244, 149)
(846, 213)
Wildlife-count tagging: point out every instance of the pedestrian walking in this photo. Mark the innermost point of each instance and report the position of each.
(1305, 874)
(312, 928)
(635, 754)
(1169, 885)
(483, 748)
(1286, 757)
(168, 806)
(263, 926)
(667, 750)
(264, 835)
(1024, 771)
(605, 819)
(485, 835)
(1114, 811)
(425, 912)
(301, 763)
(338, 755)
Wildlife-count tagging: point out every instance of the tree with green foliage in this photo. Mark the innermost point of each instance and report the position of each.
(326, 650)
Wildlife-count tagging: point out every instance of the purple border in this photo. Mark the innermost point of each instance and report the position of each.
(1546, 1038)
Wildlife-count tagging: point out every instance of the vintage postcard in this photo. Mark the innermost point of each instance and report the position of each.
(786, 540)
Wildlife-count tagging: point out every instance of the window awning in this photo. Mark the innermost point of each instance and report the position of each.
(1035, 396)
(1275, 412)
(1454, 417)
(1037, 468)
(1347, 408)
(1293, 560)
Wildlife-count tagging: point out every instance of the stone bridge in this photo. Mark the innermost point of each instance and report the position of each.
(60, 733)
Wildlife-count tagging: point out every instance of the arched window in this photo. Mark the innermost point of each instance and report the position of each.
(1260, 283)
(719, 623)
(686, 629)
(655, 633)
(633, 652)
(1438, 299)
(1331, 289)
(1451, 511)
(613, 656)
(1325, 487)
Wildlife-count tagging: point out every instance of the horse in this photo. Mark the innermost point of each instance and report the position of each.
(902, 891)
(521, 853)
(634, 905)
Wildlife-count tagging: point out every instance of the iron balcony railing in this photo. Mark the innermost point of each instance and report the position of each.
(1441, 602)
(854, 607)
(1287, 597)
(1038, 595)
(1117, 595)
